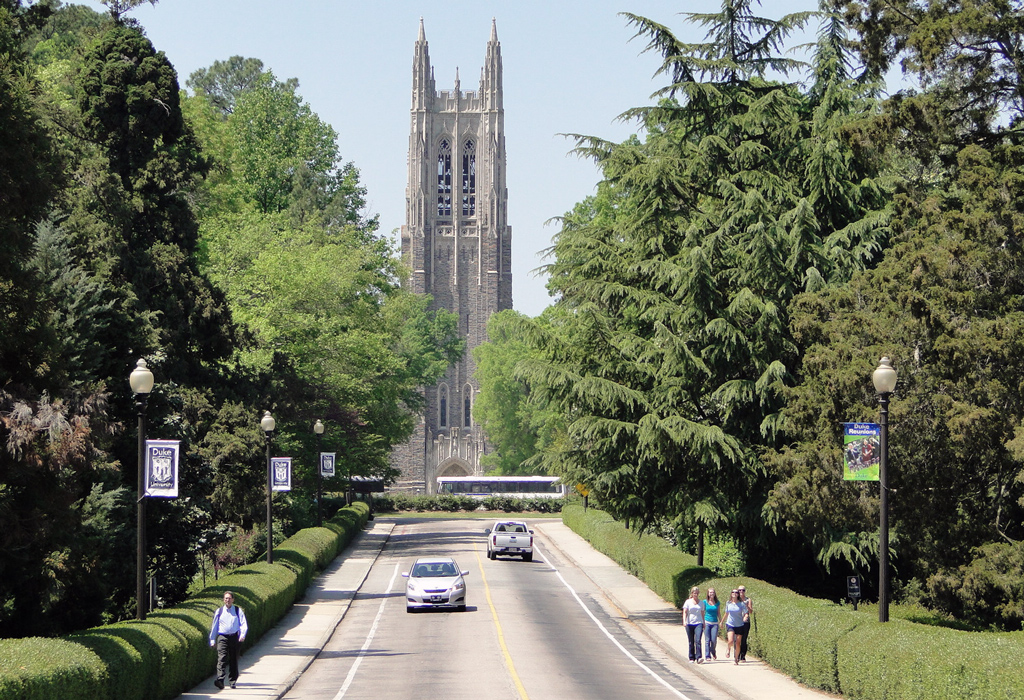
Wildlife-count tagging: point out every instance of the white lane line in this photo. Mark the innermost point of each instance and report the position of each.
(369, 639)
(604, 629)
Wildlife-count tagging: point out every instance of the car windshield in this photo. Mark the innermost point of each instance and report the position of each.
(434, 570)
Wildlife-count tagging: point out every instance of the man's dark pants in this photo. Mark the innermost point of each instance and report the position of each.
(227, 656)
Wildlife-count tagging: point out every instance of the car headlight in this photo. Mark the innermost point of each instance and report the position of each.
(411, 587)
(459, 585)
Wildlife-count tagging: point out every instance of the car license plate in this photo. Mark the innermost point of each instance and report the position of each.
(436, 599)
(513, 549)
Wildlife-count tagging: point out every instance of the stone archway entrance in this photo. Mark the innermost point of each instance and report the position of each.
(453, 466)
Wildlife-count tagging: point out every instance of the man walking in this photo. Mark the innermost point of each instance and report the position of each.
(228, 632)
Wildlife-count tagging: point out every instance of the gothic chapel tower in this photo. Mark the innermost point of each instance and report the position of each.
(458, 244)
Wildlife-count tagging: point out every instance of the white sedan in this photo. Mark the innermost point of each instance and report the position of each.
(435, 582)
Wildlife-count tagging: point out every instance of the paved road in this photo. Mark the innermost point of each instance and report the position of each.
(522, 637)
(532, 631)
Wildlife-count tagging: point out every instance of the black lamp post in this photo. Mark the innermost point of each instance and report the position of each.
(318, 428)
(884, 379)
(268, 424)
(348, 486)
(141, 382)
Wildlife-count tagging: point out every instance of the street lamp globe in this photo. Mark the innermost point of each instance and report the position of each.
(141, 379)
(884, 377)
(318, 428)
(268, 423)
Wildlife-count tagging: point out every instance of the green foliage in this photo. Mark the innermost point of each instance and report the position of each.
(944, 303)
(824, 645)
(168, 653)
(925, 663)
(957, 50)
(37, 669)
(331, 328)
(396, 502)
(724, 558)
(224, 82)
(675, 280)
(27, 179)
(669, 573)
(276, 135)
(517, 422)
(989, 590)
(104, 263)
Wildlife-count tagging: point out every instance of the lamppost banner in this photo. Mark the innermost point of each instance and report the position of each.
(861, 451)
(161, 468)
(327, 464)
(281, 473)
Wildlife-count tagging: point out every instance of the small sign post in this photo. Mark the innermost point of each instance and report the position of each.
(853, 589)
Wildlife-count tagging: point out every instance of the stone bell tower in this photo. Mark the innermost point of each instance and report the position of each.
(458, 244)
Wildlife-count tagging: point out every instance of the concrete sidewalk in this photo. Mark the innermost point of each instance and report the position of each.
(662, 622)
(270, 668)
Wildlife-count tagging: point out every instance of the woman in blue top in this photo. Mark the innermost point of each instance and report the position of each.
(712, 619)
(735, 617)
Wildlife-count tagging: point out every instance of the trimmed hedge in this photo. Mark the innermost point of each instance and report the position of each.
(821, 644)
(666, 570)
(169, 653)
(918, 662)
(396, 502)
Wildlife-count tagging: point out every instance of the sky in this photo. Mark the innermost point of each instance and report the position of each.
(569, 67)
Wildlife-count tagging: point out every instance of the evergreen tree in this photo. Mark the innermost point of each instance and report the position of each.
(744, 193)
(945, 305)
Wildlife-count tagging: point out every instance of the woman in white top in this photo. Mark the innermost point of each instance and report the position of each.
(693, 618)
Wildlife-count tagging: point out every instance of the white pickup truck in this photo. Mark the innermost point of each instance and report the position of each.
(510, 537)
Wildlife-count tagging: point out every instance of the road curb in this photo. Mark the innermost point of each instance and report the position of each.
(682, 659)
(284, 688)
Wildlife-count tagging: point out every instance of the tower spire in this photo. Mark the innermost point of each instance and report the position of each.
(422, 72)
(490, 85)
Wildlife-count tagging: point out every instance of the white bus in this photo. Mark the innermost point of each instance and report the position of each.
(512, 486)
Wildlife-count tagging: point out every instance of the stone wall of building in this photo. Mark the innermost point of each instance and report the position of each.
(460, 255)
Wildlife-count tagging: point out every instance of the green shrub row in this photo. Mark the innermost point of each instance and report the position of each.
(667, 571)
(821, 644)
(450, 503)
(169, 653)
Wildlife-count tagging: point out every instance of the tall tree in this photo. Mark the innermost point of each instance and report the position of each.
(678, 275)
(330, 326)
(224, 82)
(276, 136)
(967, 55)
(132, 228)
(517, 421)
(28, 174)
(945, 305)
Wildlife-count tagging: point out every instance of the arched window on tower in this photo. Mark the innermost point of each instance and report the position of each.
(444, 178)
(442, 406)
(469, 179)
(467, 406)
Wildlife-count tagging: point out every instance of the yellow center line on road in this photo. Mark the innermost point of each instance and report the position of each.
(497, 624)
